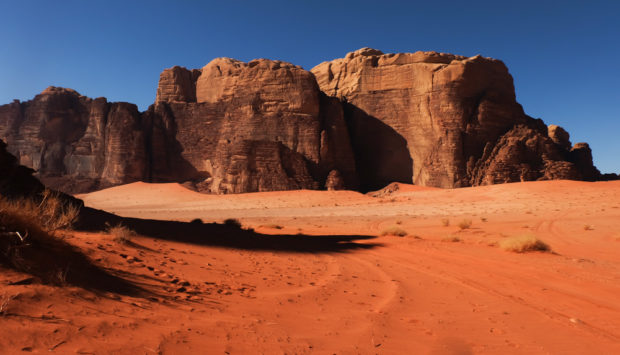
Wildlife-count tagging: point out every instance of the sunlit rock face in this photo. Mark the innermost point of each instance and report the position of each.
(360, 122)
(436, 119)
(257, 126)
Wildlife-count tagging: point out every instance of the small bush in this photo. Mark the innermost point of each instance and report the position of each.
(523, 243)
(395, 231)
(232, 222)
(121, 234)
(465, 224)
(483, 219)
(445, 222)
(451, 238)
(588, 227)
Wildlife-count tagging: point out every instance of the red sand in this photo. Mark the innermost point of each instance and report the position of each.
(422, 293)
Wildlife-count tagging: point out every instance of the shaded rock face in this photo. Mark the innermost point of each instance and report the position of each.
(75, 143)
(435, 119)
(16, 180)
(363, 121)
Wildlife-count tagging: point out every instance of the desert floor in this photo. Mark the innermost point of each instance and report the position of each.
(317, 276)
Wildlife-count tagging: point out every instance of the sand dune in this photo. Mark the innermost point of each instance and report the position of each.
(438, 290)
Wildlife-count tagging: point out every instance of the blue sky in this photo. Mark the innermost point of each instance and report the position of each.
(563, 55)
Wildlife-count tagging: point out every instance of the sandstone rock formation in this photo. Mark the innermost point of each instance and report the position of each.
(230, 127)
(441, 120)
(73, 142)
(364, 121)
(257, 126)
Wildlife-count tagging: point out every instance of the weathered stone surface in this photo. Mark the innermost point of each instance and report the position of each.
(436, 119)
(75, 143)
(177, 84)
(257, 126)
(334, 181)
(428, 118)
(559, 136)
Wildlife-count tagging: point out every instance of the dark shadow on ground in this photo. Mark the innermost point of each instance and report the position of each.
(51, 260)
(222, 235)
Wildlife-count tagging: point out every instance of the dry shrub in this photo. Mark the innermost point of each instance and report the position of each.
(445, 222)
(49, 214)
(588, 227)
(272, 226)
(524, 243)
(5, 301)
(121, 234)
(465, 224)
(483, 219)
(395, 231)
(451, 238)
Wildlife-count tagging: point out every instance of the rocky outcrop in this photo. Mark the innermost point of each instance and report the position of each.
(257, 126)
(362, 121)
(75, 143)
(441, 120)
(230, 127)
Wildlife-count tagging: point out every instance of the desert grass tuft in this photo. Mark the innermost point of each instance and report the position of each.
(445, 222)
(464, 224)
(395, 231)
(588, 227)
(451, 238)
(524, 243)
(121, 234)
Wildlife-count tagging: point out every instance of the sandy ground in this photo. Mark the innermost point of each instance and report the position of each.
(438, 290)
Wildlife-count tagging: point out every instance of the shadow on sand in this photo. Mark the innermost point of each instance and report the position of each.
(221, 235)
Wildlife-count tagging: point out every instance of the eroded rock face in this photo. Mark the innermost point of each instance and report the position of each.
(434, 119)
(75, 143)
(428, 118)
(257, 126)
(230, 127)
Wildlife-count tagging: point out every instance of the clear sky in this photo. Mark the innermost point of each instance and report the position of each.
(563, 55)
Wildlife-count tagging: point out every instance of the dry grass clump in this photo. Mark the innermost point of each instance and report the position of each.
(445, 222)
(523, 244)
(451, 238)
(121, 234)
(5, 301)
(49, 215)
(588, 227)
(395, 231)
(464, 224)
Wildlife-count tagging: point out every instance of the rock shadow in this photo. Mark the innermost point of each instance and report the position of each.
(381, 153)
(223, 235)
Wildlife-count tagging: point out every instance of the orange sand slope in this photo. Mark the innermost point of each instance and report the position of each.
(439, 290)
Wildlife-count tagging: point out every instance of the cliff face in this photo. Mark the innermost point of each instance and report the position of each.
(73, 142)
(364, 121)
(440, 120)
(257, 126)
(230, 127)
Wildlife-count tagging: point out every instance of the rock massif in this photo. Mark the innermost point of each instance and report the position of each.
(363, 121)
(230, 127)
(444, 120)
